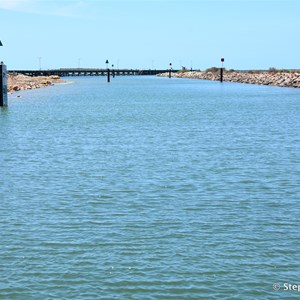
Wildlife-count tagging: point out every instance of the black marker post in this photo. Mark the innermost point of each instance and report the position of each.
(3, 83)
(221, 70)
(170, 71)
(113, 71)
(108, 71)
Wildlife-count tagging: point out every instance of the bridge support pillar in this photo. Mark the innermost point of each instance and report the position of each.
(3, 85)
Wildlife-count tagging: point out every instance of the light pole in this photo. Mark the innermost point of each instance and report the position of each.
(1, 43)
(40, 63)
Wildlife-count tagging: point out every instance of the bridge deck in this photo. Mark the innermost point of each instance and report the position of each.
(87, 72)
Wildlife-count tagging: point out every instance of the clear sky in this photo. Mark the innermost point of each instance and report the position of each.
(249, 34)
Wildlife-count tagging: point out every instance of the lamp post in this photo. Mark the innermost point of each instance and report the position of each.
(170, 70)
(108, 72)
(40, 63)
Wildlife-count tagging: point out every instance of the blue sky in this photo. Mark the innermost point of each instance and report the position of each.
(249, 34)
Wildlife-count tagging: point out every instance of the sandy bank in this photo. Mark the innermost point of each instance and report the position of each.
(19, 82)
(282, 79)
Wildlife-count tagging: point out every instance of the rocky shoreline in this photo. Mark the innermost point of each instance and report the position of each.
(274, 78)
(19, 82)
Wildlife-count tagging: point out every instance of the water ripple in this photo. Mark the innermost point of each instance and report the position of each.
(149, 189)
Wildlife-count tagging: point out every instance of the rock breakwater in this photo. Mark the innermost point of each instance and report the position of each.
(282, 79)
(19, 82)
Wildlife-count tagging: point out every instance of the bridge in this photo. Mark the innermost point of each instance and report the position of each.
(88, 72)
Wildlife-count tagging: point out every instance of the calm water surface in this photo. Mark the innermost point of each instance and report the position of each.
(150, 188)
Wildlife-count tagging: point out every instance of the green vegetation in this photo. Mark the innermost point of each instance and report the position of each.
(213, 69)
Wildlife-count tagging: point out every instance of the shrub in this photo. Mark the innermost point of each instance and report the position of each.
(213, 69)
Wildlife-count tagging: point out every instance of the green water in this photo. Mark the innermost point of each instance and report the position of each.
(150, 188)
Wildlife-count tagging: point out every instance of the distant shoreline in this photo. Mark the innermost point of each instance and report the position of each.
(273, 78)
(19, 82)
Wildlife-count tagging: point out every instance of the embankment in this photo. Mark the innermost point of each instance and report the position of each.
(277, 78)
(19, 82)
